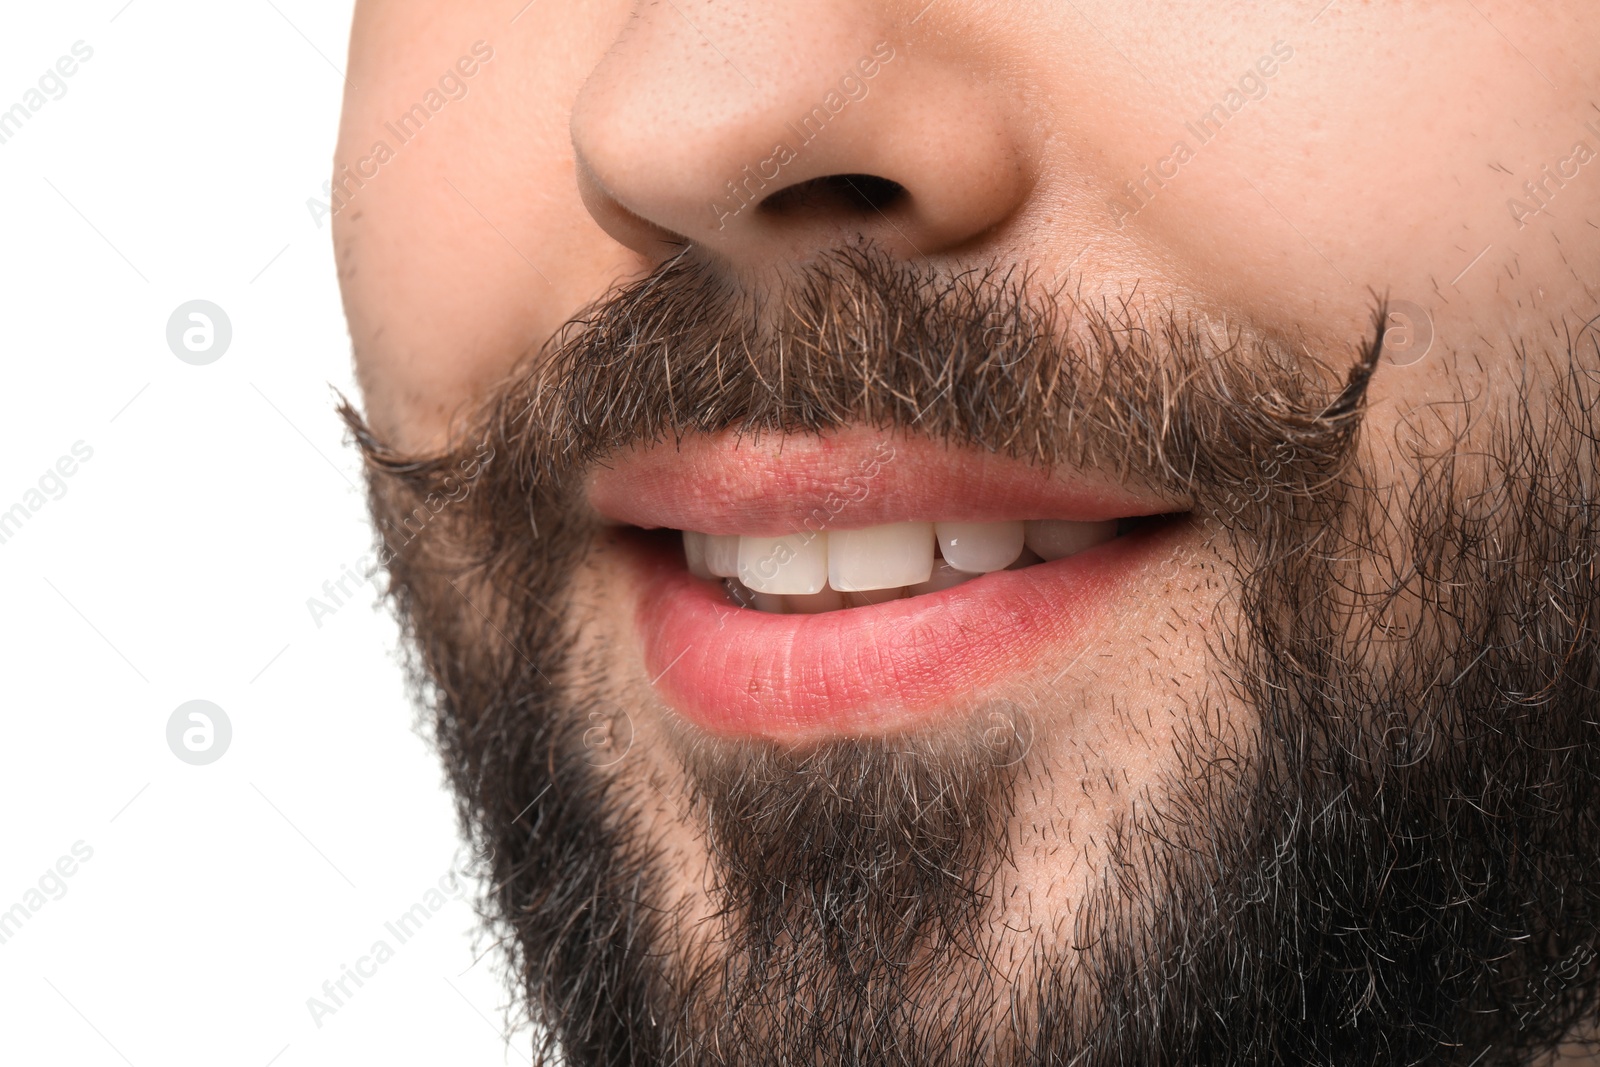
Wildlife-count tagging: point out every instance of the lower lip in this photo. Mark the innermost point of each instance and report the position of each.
(737, 672)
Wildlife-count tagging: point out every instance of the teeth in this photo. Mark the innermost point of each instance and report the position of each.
(771, 603)
(722, 555)
(694, 550)
(1028, 558)
(738, 593)
(880, 557)
(944, 577)
(815, 603)
(1054, 539)
(810, 573)
(868, 597)
(794, 563)
(979, 547)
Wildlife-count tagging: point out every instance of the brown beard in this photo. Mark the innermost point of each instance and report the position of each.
(1395, 864)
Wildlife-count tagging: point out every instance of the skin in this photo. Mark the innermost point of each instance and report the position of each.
(594, 143)
(1372, 162)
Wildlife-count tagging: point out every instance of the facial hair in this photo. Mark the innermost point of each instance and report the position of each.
(1392, 864)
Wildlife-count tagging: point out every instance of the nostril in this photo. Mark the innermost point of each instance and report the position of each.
(835, 194)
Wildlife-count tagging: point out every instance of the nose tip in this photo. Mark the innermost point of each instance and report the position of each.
(812, 139)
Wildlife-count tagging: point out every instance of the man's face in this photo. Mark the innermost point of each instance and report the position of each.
(963, 533)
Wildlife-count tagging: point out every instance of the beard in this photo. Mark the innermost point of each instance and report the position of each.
(1389, 859)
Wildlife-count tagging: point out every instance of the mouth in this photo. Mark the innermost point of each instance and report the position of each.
(818, 571)
(797, 589)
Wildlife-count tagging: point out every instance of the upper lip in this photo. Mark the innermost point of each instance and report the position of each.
(779, 484)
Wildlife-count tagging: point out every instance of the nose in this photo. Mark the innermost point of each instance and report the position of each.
(777, 130)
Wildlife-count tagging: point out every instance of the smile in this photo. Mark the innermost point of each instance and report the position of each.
(816, 571)
(801, 588)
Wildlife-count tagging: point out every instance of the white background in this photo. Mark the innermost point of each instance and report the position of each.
(178, 565)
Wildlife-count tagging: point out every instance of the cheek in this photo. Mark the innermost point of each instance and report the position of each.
(469, 246)
(1366, 166)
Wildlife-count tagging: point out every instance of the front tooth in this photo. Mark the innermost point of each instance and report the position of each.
(979, 547)
(794, 563)
(694, 550)
(880, 557)
(1056, 539)
(722, 555)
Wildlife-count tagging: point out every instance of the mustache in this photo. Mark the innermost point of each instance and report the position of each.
(1241, 422)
